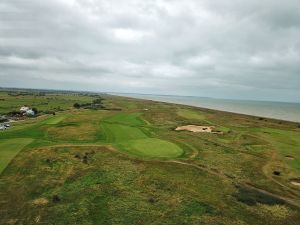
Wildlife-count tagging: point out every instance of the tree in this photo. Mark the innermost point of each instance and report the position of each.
(35, 111)
(97, 101)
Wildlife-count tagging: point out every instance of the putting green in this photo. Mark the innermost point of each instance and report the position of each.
(153, 147)
(10, 148)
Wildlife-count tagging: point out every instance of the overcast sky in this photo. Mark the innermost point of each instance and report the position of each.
(215, 48)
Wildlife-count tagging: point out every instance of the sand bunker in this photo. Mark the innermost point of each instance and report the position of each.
(289, 157)
(195, 128)
(295, 181)
(40, 201)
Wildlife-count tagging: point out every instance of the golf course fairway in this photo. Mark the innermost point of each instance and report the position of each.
(124, 163)
(10, 148)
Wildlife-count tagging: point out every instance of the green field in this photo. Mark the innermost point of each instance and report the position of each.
(127, 165)
(10, 148)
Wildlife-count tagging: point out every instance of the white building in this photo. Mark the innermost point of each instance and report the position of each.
(24, 109)
(27, 111)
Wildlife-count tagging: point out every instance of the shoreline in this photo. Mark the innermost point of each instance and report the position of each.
(181, 102)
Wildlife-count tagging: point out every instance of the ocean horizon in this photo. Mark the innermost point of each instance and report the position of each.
(270, 109)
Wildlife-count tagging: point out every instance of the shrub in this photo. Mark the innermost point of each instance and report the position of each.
(35, 111)
(76, 105)
(252, 197)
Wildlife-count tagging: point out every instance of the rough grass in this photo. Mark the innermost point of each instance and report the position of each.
(108, 189)
(10, 148)
(190, 114)
(286, 142)
(80, 132)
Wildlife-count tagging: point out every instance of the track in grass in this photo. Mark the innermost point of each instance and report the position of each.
(10, 148)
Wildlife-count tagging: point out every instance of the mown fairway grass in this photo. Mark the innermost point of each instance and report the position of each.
(124, 130)
(121, 133)
(131, 119)
(54, 120)
(10, 148)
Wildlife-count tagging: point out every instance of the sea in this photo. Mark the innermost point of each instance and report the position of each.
(277, 110)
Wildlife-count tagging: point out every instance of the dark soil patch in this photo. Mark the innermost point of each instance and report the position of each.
(77, 156)
(276, 173)
(252, 197)
(55, 198)
(152, 200)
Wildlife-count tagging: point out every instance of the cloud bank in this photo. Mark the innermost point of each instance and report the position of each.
(225, 49)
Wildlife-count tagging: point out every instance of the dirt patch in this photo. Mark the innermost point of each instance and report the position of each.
(295, 181)
(289, 157)
(197, 129)
(40, 201)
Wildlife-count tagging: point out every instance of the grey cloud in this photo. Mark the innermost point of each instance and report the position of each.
(232, 49)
